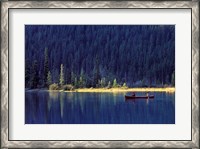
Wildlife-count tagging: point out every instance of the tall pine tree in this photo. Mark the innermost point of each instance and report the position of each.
(35, 76)
(46, 66)
(61, 75)
(49, 78)
(96, 72)
(115, 83)
(27, 73)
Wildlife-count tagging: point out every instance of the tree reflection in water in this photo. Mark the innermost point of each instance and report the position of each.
(97, 108)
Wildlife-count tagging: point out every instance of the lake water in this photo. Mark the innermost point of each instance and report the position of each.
(43, 107)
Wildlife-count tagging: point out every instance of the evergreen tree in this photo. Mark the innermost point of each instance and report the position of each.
(109, 85)
(35, 77)
(72, 78)
(124, 85)
(103, 82)
(115, 83)
(61, 75)
(98, 84)
(82, 79)
(96, 72)
(27, 73)
(55, 76)
(81, 82)
(76, 83)
(46, 66)
(49, 79)
(173, 79)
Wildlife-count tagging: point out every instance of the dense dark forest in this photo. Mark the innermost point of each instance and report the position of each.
(99, 55)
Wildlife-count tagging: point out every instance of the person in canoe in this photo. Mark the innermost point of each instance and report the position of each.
(147, 94)
(133, 94)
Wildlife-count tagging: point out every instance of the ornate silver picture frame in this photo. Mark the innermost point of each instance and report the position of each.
(6, 6)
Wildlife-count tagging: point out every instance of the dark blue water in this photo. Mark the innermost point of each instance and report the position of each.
(43, 107)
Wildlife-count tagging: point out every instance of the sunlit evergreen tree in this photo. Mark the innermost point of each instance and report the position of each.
(124, 85)
(109, 85)
(49, 78)
(115, 83)
(61, 75)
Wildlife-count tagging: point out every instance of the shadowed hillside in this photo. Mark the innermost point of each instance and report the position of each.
(99, 55)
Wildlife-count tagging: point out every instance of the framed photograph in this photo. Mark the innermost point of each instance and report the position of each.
(99, 74)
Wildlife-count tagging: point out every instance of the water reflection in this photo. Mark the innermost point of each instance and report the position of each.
(97, 108)
(61, 103)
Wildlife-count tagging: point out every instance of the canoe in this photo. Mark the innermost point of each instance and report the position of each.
(137, 97)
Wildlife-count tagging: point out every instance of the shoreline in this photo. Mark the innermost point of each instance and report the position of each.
(112, 90)
(168, 89)
(85, 90)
